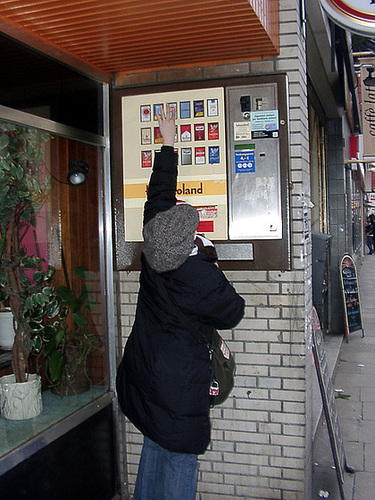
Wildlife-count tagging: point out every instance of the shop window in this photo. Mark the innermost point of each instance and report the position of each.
(60, 260)
(319, 219)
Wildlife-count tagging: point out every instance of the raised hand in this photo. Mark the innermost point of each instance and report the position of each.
(167, 125)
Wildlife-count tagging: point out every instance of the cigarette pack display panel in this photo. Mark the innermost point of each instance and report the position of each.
(200, 143)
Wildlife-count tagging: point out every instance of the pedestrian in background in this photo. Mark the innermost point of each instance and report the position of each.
(369, 233)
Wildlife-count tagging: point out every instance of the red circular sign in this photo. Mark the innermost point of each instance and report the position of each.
(357, 16)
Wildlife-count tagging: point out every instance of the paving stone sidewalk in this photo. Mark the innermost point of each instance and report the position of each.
(355, 377)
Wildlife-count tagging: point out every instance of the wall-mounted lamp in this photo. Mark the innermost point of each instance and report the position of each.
(370, 80)
(77, 172)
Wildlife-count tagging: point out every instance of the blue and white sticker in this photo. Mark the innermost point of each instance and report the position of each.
(244, 161)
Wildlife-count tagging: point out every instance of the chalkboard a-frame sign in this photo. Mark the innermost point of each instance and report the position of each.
(352, 300)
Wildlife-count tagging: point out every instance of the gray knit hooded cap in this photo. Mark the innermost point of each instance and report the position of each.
(169, 237)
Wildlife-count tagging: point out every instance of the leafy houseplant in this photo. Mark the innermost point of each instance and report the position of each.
(51, 320)
(65, 330)
(24, 275)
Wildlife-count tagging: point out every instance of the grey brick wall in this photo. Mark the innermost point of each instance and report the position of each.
(261, 437)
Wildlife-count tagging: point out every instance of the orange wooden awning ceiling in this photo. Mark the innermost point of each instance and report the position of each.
(127, 36)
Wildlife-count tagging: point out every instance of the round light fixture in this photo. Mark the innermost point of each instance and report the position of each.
(370, 80)
(77, 172)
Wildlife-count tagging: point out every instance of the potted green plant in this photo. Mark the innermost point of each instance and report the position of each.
(24, 275)
(67, 337)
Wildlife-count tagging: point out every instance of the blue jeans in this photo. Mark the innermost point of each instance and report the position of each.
(370, 242)
(165, 475)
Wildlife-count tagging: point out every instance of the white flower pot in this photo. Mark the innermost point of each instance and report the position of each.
(20, 401)
(6, 330)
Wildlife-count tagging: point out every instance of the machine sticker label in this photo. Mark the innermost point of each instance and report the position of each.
(242, 131)
(265, 124)
(244, 160)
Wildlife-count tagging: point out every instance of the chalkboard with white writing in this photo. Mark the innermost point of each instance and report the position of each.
(352, 302)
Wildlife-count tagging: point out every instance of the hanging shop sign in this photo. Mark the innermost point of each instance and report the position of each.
(357, 16)
(368, 105)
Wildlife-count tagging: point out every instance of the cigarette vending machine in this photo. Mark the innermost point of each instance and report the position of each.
(233, 161)
(254, 193)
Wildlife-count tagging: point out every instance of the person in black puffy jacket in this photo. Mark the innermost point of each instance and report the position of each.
(164, 377)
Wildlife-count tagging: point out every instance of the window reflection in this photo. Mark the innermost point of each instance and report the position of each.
(65, 239)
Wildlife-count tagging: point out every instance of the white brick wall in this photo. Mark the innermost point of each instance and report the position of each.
(261, 437)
